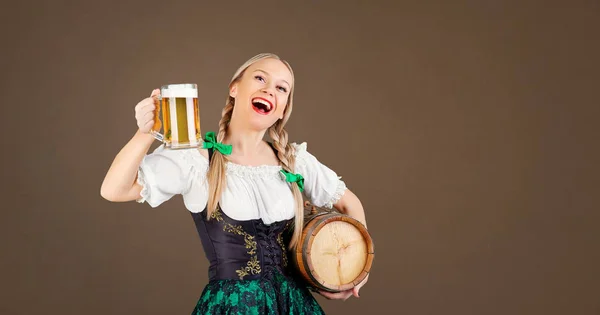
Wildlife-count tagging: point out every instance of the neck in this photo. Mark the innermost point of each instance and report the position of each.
(245, 142)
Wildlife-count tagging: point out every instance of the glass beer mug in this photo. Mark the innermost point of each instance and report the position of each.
(180, 117)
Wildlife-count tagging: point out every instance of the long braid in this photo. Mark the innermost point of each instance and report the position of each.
(225, 118)
(217, 174)
(286, 155)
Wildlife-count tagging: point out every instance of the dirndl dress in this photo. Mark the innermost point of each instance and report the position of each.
(249, 271)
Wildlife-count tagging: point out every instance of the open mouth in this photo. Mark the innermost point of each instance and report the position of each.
(261, 105)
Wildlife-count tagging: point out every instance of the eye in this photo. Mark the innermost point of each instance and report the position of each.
(259, 77)
(282, 89)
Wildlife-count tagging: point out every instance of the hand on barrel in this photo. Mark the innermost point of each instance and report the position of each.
(344, 295)
(146, 113)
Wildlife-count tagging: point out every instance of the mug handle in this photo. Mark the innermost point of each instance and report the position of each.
(156, 134)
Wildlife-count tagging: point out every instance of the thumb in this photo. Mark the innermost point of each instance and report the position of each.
(355, 291)
(154, 92)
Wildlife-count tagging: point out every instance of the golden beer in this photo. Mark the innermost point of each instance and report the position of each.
(180, 116)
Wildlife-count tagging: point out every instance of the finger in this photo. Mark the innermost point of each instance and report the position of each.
(148, 116)
(143, 113)
(155, 96)
(146, 108)
(329, 295)
(361, 284)
(325, 294)
(148, 125)
(355, 292)
(144, 104)
(344, 295)
(148, 103)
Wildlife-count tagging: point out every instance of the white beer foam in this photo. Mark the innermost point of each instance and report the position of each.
(180, 92)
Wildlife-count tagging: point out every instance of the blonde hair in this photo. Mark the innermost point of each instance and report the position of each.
(285, 152)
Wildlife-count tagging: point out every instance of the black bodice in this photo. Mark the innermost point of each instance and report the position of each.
(242, 250)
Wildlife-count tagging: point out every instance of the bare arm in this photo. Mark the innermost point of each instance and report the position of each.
(120, 181)
(350, 204)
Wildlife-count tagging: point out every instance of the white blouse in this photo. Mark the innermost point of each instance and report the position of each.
(251, 192)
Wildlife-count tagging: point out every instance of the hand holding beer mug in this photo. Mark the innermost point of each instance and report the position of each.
(177, 106)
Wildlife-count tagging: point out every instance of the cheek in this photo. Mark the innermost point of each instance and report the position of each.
(247, 88)
(282, 106)
(282, 101)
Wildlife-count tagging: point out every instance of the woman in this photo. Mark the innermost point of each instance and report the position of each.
(243, 192)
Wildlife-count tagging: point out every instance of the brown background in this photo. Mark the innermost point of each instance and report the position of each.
(469, 131)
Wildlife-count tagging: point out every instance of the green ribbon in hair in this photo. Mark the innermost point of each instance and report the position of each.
(291, 178)
(210, 142)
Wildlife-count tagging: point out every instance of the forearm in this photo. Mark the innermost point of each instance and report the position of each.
(350, 204)
(122, 173)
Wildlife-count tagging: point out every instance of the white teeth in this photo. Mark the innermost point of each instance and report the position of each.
(264, 103)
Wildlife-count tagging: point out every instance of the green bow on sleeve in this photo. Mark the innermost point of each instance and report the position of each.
(291, 177)
(211, 143)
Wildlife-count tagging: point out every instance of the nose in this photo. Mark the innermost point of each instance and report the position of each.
(268, 91)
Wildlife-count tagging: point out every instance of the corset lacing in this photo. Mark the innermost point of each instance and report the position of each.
(272, 253)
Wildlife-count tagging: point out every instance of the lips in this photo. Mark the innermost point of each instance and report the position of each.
(262, 105)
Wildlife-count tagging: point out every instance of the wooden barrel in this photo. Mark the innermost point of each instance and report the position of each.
(335, 251)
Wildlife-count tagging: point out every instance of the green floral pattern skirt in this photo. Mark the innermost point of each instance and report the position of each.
(273, 294)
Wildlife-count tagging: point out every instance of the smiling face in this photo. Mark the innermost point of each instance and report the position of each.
(262, 93)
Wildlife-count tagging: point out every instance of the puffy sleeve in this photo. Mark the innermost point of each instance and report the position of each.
(165, 173)
(322, 186)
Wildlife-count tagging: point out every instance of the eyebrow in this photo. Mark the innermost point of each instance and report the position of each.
(269, 74)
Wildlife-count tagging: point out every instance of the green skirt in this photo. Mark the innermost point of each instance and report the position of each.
(272, 294)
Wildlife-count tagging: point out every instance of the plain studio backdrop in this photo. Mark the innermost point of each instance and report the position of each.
(469, 131)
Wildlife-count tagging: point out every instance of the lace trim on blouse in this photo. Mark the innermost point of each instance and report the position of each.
(243, 171)
(339, 192)
(144, 193)
(261, 171)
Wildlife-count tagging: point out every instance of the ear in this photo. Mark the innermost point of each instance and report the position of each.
(233, 90)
